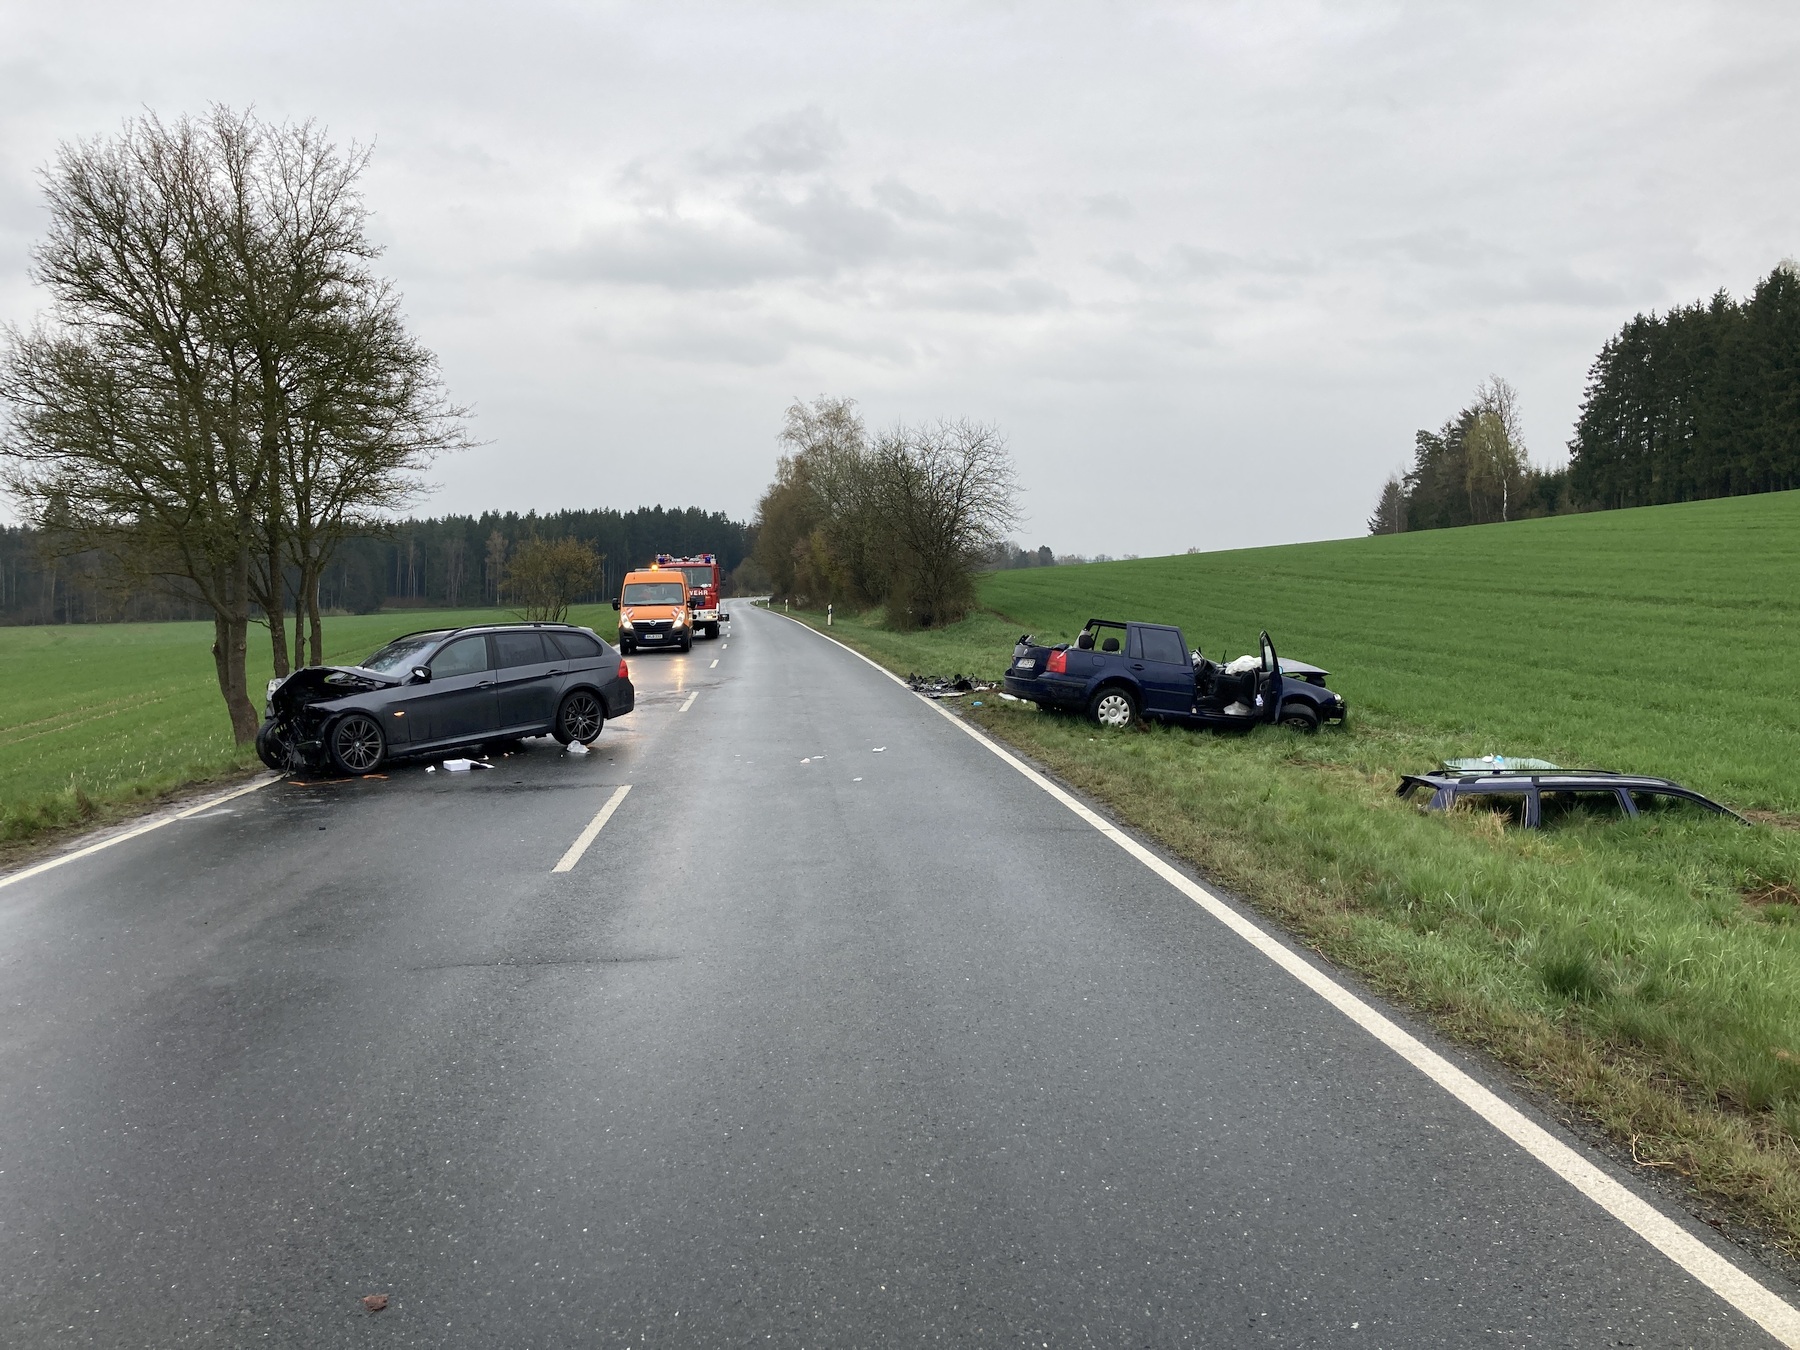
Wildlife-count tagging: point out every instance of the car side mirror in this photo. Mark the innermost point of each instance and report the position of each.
(615, 604)
(421, 674)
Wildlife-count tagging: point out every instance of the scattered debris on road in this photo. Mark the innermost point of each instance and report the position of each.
(464, 765)
(951, 686)
(375, 1302)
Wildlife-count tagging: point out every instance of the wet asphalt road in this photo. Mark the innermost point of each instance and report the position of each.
(884, 1048)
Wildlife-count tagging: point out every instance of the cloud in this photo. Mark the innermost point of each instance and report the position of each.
(1182, 264)
(677, 253)
(804, 141)
(21, 209)
(1439, 246)
(1017, 295)
(688, 237)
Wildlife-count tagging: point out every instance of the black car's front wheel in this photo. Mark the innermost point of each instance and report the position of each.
(357, 744)
(1113, 707)
(272, 748)
(580, 718)
(1299, 717)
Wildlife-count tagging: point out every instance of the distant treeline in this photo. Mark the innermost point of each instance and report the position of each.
(1703, 401)
(449, 561)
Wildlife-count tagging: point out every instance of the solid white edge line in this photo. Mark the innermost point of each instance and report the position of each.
(690, 701)
(39, 868)
(1754, 1300)
(594, 826)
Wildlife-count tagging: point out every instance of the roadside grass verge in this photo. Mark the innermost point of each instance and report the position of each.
(101, 721)
(1643, 975)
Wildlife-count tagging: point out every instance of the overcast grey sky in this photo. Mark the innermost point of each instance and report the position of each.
(1208, 266)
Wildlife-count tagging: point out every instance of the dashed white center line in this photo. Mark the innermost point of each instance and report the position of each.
(715, 662)
(587, 836)
(690, 701)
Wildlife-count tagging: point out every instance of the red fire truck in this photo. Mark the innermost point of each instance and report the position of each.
(702, 572)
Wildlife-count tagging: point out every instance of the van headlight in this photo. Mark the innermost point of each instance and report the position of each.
(625, 625)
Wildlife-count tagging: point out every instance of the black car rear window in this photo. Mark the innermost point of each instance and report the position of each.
(576, 646)
(519, 649)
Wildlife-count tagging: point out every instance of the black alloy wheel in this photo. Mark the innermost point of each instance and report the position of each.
(1299, 717)
(580, 718)
(357, 745)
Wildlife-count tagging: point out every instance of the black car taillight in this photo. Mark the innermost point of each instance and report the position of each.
(624, 670)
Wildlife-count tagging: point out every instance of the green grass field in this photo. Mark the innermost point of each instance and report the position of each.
(1645, 973)
(99, 718)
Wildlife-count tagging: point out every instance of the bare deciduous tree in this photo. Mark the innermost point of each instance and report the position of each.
(222, 388)
(906, 520)
(947, 494)
(1494, 450)
(134, 426)
(546, 576)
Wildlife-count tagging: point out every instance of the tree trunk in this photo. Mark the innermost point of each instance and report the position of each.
(312, 616)
(277, 614)
(231, 642)
(299, 619)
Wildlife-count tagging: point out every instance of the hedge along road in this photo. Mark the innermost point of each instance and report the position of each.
(837, 1031)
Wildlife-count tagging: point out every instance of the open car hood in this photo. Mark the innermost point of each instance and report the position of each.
(320, 684)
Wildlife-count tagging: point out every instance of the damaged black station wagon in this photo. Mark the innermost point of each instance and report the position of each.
(430, 692)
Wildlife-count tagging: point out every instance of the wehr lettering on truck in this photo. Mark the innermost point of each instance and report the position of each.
(702, 573)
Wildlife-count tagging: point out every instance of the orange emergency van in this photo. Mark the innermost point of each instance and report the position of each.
(653, 610)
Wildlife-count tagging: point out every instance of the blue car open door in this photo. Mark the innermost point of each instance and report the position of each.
(1268, 682)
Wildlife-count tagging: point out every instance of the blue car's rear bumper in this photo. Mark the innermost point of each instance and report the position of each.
(1048, 690)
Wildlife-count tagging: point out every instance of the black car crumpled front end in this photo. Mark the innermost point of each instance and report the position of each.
(299, 709)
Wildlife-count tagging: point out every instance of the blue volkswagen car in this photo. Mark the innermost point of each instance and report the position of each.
(1117, 672)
